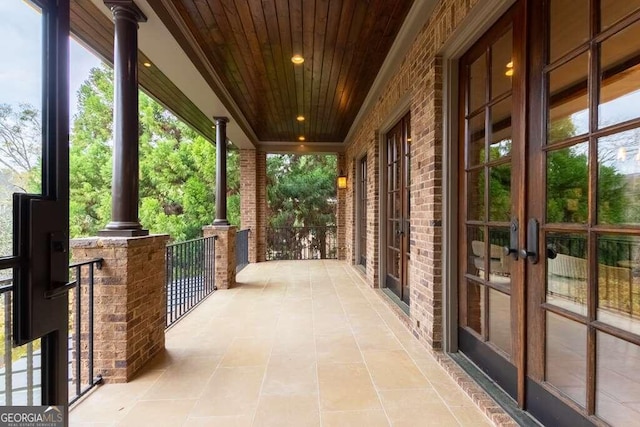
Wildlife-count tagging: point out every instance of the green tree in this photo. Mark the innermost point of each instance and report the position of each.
(177, 167)
(301, 193)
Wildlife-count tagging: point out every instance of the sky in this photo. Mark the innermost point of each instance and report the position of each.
(20, 50)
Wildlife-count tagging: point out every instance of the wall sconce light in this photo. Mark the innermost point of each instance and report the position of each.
(342, 181)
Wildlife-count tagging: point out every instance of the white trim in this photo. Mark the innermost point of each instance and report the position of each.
(482, 17)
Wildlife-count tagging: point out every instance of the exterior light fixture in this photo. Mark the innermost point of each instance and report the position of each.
(301, 138)
(297, 59)
(342, 181)
(147, 64)
(300, 118)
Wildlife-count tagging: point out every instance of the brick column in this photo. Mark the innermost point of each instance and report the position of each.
(341, 214)
(248, 200)
(263, 221)
(225, 263)
(130, 301)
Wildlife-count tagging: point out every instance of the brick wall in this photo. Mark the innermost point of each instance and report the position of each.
(130, 301)
(249, 199)
(418, 76)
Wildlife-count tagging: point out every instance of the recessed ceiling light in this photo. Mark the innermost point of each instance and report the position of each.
(301, 138)
(147, 64)
(297, 59)
(300, 118)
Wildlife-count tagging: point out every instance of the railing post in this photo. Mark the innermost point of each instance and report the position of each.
(225, 261)
(130, 318)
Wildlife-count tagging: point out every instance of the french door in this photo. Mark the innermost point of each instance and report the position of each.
(398, 208)
(550, 218)
(361, 194)
(34, 268)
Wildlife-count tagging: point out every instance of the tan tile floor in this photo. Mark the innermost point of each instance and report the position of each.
(297, 343)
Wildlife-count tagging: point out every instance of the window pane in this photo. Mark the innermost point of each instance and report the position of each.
(619, 178)
(569, 26)
(500, 320)
(499, 263)
(501, 65)
(567, 271)
(500, 193)
(568, 100)
(475, 307)
(23, 362)
(475, 195)
(500, 135)
(619, 77)
(20, 108)
(619, 281)
(475, 252)
(478, 83)
(618, 381)
(568, 184)
(566, 361)
(476, 138)
(614, 10)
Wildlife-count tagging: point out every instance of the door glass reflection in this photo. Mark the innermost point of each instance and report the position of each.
(568, 184)
(500, 320)
(500, 136)
(619, 281)
(477, 83)
(568, 100)
(475, 251)
(566, 360)
(619, 178)
(618, 381)
(476, 145)
(475, 307)
(501, 65)
(612, 11)
(500, 192)
(475, 194)
(567, 271)
(569, 26)
(619, 76)
(499, 263)
(20, 108)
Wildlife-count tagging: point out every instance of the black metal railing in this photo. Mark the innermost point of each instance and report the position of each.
(21, 369)
(242, 249)
(300, 243)
(190, 275)
(82, 375)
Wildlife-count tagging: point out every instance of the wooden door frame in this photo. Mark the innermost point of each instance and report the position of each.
(511, 375)
(361, 210)
(402, 107)
(484, 15)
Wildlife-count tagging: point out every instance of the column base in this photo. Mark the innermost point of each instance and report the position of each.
(123, 229)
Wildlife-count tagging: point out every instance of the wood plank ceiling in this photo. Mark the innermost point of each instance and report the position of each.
(250, 43)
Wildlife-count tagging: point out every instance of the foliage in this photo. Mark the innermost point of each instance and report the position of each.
(177, 167)
(301, 190)
(301, 193)
(20, 136)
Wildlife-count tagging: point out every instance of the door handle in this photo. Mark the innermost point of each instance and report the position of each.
(531, 251)
(512, 249)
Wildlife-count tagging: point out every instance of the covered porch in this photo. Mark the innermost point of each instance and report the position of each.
(294, 343)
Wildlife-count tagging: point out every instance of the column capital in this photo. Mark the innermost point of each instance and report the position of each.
(126, 9)
(221, 119)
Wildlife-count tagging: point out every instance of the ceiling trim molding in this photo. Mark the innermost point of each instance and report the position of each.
(171, 18)
(417, 17)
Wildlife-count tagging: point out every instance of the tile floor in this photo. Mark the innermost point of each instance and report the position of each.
(296, 343)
